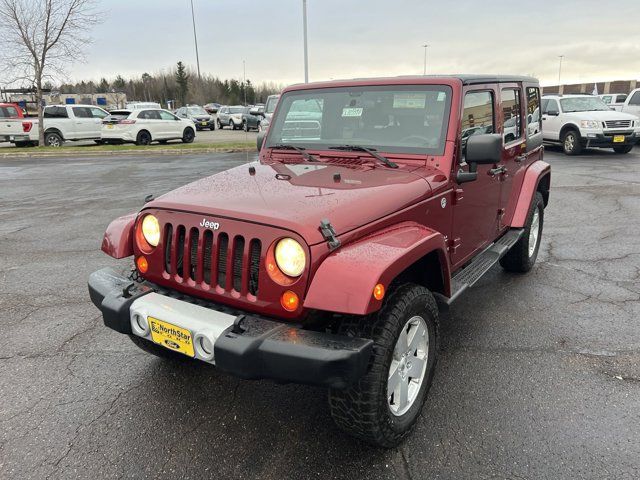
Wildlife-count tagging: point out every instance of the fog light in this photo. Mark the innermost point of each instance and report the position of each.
(204, 346)
(140, 325)
(289, 301)
(142, 264)
(378, 292)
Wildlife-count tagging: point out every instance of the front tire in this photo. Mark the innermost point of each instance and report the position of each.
(245, 126)
(232, 124)
(188, 135)
(383, 406)
(219, 125)
(621, 150)
(571, 143)
(523, 254)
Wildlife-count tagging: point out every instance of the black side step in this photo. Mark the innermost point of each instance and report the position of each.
(470, 274)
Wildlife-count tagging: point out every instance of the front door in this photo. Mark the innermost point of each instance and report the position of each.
(551, 123)
(475, 210)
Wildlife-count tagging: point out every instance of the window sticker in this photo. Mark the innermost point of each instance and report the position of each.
(441, 96)
(352, 112)
(409, 100)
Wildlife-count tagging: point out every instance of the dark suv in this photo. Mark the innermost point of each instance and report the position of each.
(320, 263)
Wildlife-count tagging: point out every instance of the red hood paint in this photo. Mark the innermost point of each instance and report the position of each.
(297, 196)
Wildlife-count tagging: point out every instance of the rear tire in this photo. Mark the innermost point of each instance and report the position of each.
(53, 139)
(366, 410)
(621, 150)
(143, 138)
(571, 143)
(188, 135)
(155, 349)
(523, 254)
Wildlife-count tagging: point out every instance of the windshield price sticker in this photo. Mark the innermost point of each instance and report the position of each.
(352, 112)
(409, 100)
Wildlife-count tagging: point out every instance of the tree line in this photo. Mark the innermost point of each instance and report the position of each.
(180, 85)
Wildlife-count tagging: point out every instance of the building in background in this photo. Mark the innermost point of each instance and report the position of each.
(617, 86)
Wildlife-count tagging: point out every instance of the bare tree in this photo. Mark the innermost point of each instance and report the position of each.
(41, 37)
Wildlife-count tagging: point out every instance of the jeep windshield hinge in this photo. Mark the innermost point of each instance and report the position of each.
(329, 234)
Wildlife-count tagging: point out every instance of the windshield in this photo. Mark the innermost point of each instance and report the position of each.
(395, 119)
(271, 104)
(197, 111)
(582, 104)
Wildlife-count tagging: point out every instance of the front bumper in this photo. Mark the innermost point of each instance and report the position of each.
(605, 139)
(245, 345)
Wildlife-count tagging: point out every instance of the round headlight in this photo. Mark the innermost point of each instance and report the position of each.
(151, 230)
(290, 257)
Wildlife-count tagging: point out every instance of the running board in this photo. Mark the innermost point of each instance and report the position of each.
(481, 264)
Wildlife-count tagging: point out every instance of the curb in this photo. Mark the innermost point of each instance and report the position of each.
(128, 152)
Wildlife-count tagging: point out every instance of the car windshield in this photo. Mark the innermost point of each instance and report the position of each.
(395, 119)
(582, 104)
(197, 111)
(236, 110)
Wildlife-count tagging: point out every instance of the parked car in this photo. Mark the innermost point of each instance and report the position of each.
(269, 108)
(615, 101)
(62, 123)
(212, 107)
(230, 116)
(200, 117)
(141, 105)
(632, 103)
(145, 126)
(251, 117)
(584, 121)
(319, 263)
(9, 111)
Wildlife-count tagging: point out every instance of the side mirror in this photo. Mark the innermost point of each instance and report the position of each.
(260, 140)
(552, 113)
(484, 149)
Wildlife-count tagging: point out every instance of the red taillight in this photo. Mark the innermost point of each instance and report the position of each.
(126, 122)
(27, 126)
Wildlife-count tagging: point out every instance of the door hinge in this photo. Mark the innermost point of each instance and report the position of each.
(458, 195)
(454, 243)
(329, 234)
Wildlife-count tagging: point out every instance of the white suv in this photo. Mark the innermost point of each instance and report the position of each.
(145, 126)
(584, 121)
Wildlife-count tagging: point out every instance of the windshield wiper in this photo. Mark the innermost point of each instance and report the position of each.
(370, 151)
(300, 150)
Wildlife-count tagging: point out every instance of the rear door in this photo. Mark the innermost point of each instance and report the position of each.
(475, 209)
(84, 123)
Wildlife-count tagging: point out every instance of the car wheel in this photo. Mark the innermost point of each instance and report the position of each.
(52, 139)
(522, 256)
(155, 349)
(143, 138)
(382, 407)
(232, 124)
(245, 126)
(571, 143)
(623, 149)
(188, 135)
(219, 125)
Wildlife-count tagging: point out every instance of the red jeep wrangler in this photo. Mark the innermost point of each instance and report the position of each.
(320, 262)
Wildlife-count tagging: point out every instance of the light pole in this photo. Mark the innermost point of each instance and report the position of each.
(304, 30)
(560, 69)
(244, 81)
(425, 46)
(195, 38)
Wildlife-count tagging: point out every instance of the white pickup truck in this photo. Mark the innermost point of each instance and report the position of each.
(632, 103)
(61, 123)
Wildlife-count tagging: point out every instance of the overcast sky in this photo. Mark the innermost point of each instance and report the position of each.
(355, 38)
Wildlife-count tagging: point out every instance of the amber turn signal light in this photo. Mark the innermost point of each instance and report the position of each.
(142, 264)
(289, 301)
(378, 292)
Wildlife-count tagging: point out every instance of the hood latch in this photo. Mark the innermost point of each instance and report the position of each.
(329, 234)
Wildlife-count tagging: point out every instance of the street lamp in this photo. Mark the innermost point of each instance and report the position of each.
(304, 30)
(195, 38)
(560, 69)
(425, 46)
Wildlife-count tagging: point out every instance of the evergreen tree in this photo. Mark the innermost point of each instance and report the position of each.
(182, 79)
(103, 86)
(119, 83)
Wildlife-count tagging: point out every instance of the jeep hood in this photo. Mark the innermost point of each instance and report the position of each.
(298, 196)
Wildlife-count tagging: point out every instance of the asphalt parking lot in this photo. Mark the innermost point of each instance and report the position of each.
(538, 377)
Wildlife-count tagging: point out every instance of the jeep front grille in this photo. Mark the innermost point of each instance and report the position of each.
(212, 259)
(617, 124)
